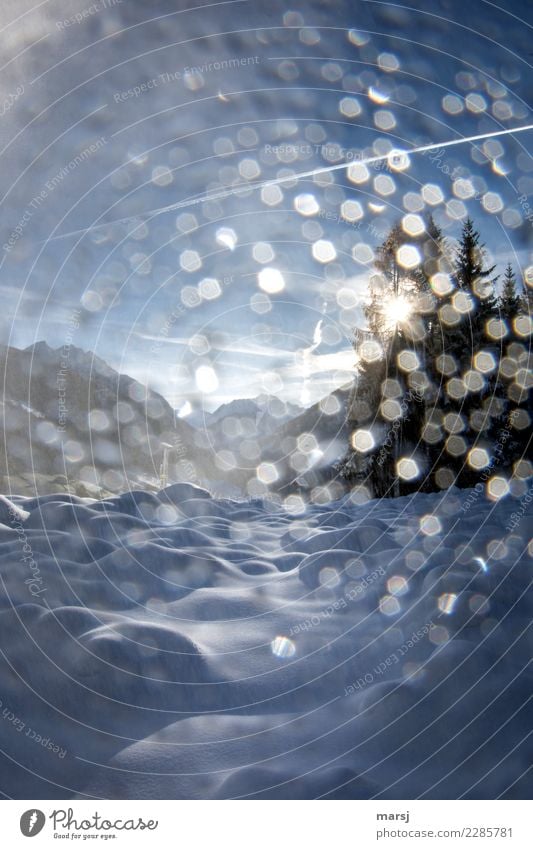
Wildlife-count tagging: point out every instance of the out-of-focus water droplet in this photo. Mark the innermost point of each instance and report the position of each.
(271, 281)
(206, 379)
(389, 605)
(407, 469)
(446, 603)
(226, 237)
(283, 647)
(430, 525)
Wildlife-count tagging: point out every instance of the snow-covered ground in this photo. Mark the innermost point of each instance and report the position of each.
(176, 646)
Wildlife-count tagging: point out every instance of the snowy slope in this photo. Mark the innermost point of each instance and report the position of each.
(113, 428)
(261, 407)
(110, 427)
(176, 646)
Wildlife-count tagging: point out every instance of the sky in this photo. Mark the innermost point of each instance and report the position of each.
(114, 111)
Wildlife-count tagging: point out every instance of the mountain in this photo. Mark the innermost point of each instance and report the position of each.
(69, 419)
(72, 423)
(245, 417)
(311, 442)
(263, 453)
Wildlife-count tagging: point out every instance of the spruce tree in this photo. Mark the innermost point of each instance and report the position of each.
(464, 402)
(476, 282)
(514, 404)
(466, 387)
(526, 301)
(396, 387)
(509, 301)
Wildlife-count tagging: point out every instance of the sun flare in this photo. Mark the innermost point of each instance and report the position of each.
(396, 311)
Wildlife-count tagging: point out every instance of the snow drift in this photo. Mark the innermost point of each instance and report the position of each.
(178, 646)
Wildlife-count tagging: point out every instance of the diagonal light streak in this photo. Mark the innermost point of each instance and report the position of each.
(225, 193)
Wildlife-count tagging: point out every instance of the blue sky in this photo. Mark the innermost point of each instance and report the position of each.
(103, 120)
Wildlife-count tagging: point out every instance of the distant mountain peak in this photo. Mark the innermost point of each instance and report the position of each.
(41, 345)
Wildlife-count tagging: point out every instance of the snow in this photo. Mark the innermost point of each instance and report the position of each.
(179, 646)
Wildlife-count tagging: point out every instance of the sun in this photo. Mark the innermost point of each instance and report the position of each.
(396, 311)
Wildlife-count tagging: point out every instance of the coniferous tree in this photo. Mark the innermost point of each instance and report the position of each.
(467, 401)
(443, 368)
(510, 426)
(448, 380)
(394, 386)
(509, 301)
(475, 282)
(526, 301)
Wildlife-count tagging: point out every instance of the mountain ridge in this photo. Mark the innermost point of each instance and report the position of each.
(71, 420)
